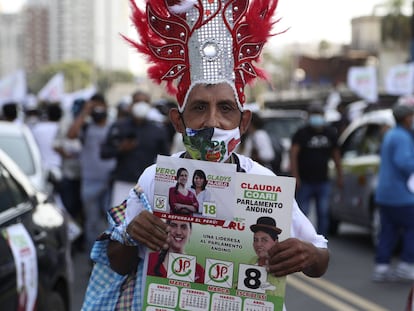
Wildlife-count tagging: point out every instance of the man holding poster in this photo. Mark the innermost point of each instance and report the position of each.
(209, 47)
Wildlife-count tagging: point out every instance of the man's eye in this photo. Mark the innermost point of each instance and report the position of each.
(227, 108)
(199, 107)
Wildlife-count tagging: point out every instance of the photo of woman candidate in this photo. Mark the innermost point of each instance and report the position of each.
(181, 199)
(199, 188)
(179, 234)
(266, 234)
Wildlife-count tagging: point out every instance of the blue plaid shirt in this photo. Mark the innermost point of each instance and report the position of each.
(108, 290)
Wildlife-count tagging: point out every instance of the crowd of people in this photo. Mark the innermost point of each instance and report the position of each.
(91, 157)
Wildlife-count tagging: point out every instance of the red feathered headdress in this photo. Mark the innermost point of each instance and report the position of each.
(203, 41)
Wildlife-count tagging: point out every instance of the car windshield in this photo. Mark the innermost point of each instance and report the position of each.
(17, 148)
(283, 127)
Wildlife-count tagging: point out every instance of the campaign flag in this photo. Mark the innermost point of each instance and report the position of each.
(54, 89)
(13, 87)
(363, 82)
(69, 98)
(400, 80)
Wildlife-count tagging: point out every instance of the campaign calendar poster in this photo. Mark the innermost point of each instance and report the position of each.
(212, 263)
(24, 253)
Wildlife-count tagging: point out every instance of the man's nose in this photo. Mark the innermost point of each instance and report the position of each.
(212, 118)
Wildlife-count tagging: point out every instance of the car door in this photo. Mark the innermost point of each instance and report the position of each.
(14, 208)
(360, 161)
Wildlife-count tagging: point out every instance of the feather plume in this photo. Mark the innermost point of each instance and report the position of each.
(164, 35)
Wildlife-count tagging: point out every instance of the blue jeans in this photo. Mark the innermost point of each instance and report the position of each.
(70, 192)
(319, 192)
(96, 196)
(396, 222)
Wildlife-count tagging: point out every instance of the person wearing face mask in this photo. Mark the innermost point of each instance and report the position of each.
(206, 61)
(134, 142)
(395, 199)
(91, 126)
(313, 146)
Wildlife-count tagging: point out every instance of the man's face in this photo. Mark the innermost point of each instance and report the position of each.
(262, 242)
(212, 105)
(140, 97)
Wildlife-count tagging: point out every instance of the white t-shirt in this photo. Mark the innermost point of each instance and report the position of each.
(301, 228)
(44, 134)
(202, 196)
(261, 142)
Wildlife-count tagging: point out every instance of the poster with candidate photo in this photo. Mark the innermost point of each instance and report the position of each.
(217, 263)
(196, 188)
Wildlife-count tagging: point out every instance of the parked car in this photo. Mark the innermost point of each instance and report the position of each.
(18, 142)
(281, 124)
(35, 261)
(360, 147)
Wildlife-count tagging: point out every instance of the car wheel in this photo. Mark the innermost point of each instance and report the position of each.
(54, 302)
(375, 225)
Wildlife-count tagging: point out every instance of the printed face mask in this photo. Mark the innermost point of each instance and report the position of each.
(211, 144)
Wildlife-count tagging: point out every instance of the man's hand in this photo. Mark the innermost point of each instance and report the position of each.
(149, 230)
(144, 228)
(127, 144)
(293, 255)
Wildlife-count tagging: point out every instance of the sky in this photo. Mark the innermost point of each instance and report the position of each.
(309, 21)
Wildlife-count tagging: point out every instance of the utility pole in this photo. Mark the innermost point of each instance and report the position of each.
(412, 33)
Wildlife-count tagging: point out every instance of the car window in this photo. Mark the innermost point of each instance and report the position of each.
(365, 140)
(372, 140)
(11, 194)
(352, 143)
(18, 149)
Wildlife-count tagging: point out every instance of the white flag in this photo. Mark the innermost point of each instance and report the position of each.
(363, 82)
(13, 87)
(400, 80)
(54, 89)
(85, 94)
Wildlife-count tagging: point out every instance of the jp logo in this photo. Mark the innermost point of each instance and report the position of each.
(181, 266)
(219, 272)
(160, 203)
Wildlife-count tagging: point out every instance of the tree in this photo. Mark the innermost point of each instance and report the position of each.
(395, 26)
(78, 74)
(323, 48)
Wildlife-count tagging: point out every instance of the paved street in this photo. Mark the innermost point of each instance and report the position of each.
(347, 284)
(82, 270)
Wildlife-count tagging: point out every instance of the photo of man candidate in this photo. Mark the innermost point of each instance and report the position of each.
(266, 234)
